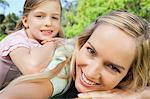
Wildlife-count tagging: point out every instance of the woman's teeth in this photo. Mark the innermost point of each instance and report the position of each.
(87, 81)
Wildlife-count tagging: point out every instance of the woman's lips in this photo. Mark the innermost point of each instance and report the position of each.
(85, 81)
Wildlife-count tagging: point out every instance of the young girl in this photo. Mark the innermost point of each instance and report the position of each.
(30, 49)
(113, 53)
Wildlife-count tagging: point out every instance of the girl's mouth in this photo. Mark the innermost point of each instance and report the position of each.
(48, 32)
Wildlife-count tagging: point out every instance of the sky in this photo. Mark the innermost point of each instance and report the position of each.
(15, 6)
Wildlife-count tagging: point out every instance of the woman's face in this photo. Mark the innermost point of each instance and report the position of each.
(104, 59)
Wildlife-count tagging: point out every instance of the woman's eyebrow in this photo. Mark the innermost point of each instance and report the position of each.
(92, 46)
(118, 66)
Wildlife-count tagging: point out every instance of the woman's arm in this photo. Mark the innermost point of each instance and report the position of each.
(40, 90)
(117, 94)
(145, 94)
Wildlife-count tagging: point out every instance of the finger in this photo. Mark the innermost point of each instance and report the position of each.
(60, 42)
(96, 94)
(59, 39)
(43, 42)
(84, 95)
(88, 96)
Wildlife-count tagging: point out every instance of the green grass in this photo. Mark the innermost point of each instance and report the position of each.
(2, 36)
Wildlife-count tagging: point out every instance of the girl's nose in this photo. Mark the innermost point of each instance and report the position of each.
(48, 22)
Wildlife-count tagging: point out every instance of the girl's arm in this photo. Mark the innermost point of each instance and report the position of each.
(40, 90)
(33, 60)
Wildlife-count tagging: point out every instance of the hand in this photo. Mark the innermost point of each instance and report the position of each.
(111, 94)
(99, 94)
(57, 41)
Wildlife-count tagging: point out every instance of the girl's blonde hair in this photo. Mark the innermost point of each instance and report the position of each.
(30, 5)
(138, 75)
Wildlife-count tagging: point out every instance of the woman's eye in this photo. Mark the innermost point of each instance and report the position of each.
(90, 50)
(113, 67)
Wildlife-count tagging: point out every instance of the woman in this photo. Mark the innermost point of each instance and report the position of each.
(113, 53)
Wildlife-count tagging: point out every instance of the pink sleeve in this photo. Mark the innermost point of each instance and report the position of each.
(13, 42)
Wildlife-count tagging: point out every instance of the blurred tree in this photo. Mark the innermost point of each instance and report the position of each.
(10, 22)
(2, 27)
(3, 4)
(2, 17)
(88, 10)
(69, 11)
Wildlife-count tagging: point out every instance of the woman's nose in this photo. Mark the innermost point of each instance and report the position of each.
(94, 70)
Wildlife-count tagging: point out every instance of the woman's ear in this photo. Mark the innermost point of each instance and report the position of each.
(25, 22)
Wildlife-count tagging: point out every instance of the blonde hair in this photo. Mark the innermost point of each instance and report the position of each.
(30, 5)
(138, 75)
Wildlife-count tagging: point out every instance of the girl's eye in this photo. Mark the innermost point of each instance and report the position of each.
(113, 68)
(55, 18)
(90, 50)
(40, 16)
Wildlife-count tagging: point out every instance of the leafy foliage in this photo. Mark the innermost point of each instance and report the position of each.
(5, 21)
(2, 17)
(8, 23)
(88, 10)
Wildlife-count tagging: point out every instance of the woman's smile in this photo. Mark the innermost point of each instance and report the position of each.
(85, 81)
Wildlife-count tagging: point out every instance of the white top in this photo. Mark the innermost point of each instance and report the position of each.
(61, 54)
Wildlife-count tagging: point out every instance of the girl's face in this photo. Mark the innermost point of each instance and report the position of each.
(104, 59)
(43, 22)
